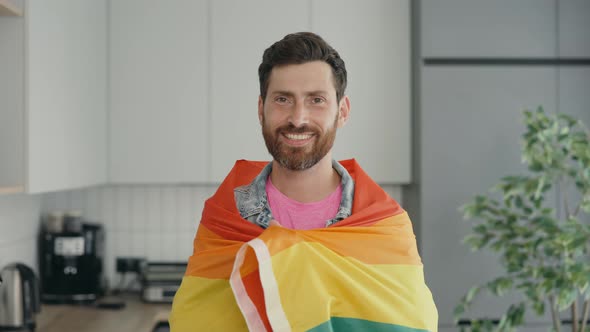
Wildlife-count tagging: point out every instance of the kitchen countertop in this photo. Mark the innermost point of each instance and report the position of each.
(136, 316)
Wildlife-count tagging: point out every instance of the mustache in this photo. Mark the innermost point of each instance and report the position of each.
(290, 128)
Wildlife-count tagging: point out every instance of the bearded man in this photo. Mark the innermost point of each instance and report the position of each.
(303, 243)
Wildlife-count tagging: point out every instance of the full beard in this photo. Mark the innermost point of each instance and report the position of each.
(296, 158)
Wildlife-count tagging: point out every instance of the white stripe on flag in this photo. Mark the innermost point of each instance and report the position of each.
(247, 308)
(274, 308)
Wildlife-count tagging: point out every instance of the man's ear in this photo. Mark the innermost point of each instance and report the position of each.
(343, 111)
(260, 109)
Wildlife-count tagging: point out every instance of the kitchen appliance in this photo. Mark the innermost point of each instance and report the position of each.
(161, 280)
(19, 298)
(71, 255)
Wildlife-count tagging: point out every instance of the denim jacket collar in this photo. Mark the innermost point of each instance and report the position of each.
(252, 202)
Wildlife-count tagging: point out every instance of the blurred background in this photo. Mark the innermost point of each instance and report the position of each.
(127, 114)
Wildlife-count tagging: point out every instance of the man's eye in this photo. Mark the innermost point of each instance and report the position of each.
(281, 100)
(318, 100)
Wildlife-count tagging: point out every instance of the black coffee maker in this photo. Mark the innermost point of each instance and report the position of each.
(71, 259)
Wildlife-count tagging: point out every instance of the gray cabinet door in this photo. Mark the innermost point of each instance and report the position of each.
(575, 101)
(471, 126)
(574, 28)
(574, 98)
(483, 28)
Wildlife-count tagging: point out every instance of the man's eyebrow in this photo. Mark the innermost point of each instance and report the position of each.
(317, 92)
(280, 92)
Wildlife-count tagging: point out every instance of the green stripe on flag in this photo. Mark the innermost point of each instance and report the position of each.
(341, 324)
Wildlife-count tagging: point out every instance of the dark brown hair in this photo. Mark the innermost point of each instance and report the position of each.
(298, 48)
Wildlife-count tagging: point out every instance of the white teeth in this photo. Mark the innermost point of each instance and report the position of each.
(298, 136)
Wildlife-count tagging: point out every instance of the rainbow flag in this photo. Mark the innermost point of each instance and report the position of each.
(361, 274)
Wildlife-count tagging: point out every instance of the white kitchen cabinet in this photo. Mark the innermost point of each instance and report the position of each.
(373, 38)
(159, 92)
(53, 96)
(12, 134)
(240, 32)
(184, 84)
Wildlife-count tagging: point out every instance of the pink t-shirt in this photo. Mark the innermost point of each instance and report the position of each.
(296, 215)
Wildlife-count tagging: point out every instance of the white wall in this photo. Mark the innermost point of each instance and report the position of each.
(19, 221)
(154, 222)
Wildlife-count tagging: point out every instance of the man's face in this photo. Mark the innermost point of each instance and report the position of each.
(300, 115)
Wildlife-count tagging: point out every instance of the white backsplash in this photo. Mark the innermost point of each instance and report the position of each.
(19, 225)
(157, 222)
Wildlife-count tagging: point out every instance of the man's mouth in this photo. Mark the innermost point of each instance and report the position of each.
(298, 137)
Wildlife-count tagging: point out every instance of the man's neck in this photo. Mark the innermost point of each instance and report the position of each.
(310, 185)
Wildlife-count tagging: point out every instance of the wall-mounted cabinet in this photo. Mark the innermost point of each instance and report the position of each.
(53, 96)
(159, 100)
(505, 28)
(12, 112)
(574, 28)
(239, 36)
(184, 84)
(482, 28)
(375, 43)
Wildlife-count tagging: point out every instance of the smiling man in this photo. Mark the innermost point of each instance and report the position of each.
(301, 105)
(304, 242)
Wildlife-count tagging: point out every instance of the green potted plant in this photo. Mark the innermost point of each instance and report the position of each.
(545, 256)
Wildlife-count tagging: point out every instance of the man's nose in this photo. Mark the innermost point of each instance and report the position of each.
(299, 115)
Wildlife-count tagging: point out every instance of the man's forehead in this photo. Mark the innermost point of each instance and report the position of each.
(307, 77)
(304, 92)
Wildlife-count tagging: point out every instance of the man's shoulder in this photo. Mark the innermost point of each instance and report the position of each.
(251, 198)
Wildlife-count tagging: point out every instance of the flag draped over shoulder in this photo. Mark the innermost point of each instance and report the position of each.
(360, 274)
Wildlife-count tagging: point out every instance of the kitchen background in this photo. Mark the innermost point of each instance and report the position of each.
(132, 111)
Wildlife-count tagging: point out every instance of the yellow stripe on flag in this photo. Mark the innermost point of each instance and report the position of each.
(207, 302)
(313, 280)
